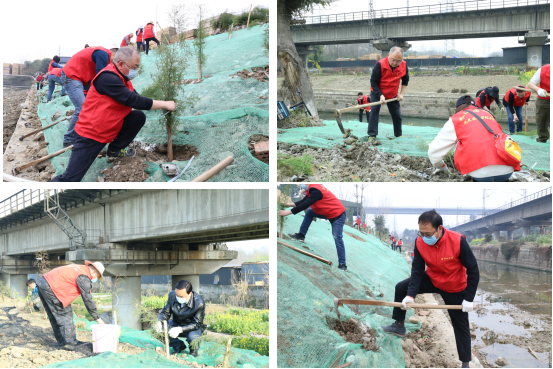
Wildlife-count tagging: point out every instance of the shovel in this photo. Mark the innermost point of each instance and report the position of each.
(338, 112)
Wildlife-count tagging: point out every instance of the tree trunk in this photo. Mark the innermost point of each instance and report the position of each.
(169, 142)
(295, 74)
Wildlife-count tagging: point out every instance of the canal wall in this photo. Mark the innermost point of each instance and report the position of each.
(538, 258)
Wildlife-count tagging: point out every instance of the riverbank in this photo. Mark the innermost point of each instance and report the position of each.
(530, 255)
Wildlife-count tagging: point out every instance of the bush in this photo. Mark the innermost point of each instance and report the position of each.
(223, 22)
(259, 345)
(259, 14)
(240, 322)
(290, 165)
(488, 237)
(477, 241)
(508, 249)
(154, 302)
(527, 76)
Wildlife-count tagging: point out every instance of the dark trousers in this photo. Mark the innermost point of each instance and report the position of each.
(395, 111)
(148, 43)
(176, 344)
(85, 150)
(140, 44)
(61, 319)
(542, 119)
(361, 115)
(459, 320)
(39, 86)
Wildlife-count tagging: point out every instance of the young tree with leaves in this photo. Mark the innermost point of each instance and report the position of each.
(199, 41)
(171, 61)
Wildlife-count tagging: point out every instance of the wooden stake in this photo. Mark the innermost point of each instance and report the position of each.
(525, 117)
(227, 353)
(536, 356)
(281, 226)
(198, 63)
(34, 162)
(250, 13)
(42, 129)
(169, 142)
(166, 338)
(305, 252)
(216, 169)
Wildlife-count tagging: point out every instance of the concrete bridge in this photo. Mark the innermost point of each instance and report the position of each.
(473, 212)
(530, 211)
(398, 26)
(133, 232)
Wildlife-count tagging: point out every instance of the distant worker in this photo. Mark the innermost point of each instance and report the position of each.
(54, 76)
(54, 63)
(324, 205)
(35, 299)
(412, 255)
(150, 35)
(140, 39)
(187, 310)
(358, 223)
(77, 74)
(486, 96)
(127, 40)
(394, 243)
(108, 115)
(59, 287)
(387, 74)
(38, 80)
(541, 78)
(476, 154)
(365, 227)
(362, 100)
(399, 244)
(514, 100)
(451, 271)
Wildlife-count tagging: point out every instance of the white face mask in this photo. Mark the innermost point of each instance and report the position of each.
(181, 300)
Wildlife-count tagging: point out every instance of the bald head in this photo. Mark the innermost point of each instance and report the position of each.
(126, 54)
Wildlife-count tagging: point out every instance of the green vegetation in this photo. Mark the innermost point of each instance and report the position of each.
(259, 15)
(529, 133)
(257, 344)
(240, 322)
(290, 165)
(541, 239)
(154, 302)
(380, 225)
(527, 76)
(199, 41)
(509, 248)
(266, 40)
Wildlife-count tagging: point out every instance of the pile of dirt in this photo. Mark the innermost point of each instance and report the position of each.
(251, 145)
(158, 153)
(355, 332)
(13, 100)
(245, 74)
(125, 170)
(360, 162)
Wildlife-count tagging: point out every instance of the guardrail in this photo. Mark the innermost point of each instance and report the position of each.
(422, 10)
(21, 200)
(512, 204)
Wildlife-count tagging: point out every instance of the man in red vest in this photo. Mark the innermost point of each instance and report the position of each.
(108, 116)
(399, 243)
(150, 35)
(324, 205)
(54, 63)
(387, 74)
(59, 287)
(543, 79)
(54, 76)
(362, 100)
(514, 100)
(38, 80)
(476, 154)
(451, 271)
(127, 40)
(358, 223)
(486, 96)
(140, 39)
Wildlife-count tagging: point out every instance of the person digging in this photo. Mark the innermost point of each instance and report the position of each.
(324, 205)
(451, 271)
(35, 299)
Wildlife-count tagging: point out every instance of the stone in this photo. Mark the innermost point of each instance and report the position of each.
(473, 326)
(483, 328)
(527, 323)
(414, 319)
(39, 136)
(45, 176)
(10, 158)
(501, 361)
(40, 360)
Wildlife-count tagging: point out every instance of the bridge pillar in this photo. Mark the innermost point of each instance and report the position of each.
(17, 283)
(303, 52)
(496, 235)
(509, 235)
(192, 278)
(534, 41)
(525, 231)
(386, 44)
(128, 294)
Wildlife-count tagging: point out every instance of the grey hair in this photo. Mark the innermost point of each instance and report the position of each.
(394, 49)
(125, 54)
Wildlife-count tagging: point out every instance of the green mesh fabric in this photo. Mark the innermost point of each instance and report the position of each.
(230, 112)
(208, 354)
(412, 142)
(306, 292)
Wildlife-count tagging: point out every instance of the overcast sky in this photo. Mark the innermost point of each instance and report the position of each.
(37, 30)
(429, 194)
(477, 47)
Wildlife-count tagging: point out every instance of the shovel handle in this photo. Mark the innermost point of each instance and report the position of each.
(340, 302)
(356, 107)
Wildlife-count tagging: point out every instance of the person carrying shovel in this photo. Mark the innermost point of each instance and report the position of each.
(451, 271)
(542, 78)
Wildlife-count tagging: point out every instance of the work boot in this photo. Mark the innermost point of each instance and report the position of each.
(395, 328)
(465, 364)
(298, 236)
(343, 267)
(111, 155)
(77, 343)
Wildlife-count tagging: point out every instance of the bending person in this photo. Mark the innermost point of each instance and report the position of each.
(54, 76)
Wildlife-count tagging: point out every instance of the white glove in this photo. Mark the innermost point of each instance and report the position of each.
(542, 92)
(407, 300)
(444, 168)
(467, 306)
(159, 327)
(174, 332)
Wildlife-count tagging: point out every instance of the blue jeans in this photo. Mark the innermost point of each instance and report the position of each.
(518, 111)
(337, 228)
(76, 95)
(501, 178)
(139, 44)
(176, 344)
(52, 80)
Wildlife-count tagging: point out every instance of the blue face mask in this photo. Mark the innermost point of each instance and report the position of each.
(132, 73)
(94, 280)
(430, 240)
(181, 300)
(304, 187)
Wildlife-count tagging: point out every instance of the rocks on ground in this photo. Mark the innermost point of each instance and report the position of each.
(355, 332)
(131, 169)
(245, 74)
(12, 102)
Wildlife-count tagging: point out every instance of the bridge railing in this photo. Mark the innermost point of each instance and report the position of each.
(20, 200)
(422, 10)
(512, 204)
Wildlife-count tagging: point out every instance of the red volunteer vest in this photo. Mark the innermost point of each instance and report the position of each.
(329, 205)
(148, 31)
(489, 100)
(81, 67)
(518, 101)
(63, 282)
(364, 100)
(399, 243)
(476, 147)
(443, 265)
(39, 78)
(56, 72)
(545, 80)
(139, 36)
(389, 81)
(102, 117)
(50, 67)
(124, 43)
(358, 221)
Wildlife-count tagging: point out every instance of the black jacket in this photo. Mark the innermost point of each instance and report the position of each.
(190, 317)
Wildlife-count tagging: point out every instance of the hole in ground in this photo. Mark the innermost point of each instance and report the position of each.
(251, 146)
(354, 332)
(157, 153)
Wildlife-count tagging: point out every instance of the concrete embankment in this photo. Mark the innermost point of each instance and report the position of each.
(533, 257)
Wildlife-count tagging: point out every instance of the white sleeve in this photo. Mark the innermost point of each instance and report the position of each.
(536, 79)
(442, 144)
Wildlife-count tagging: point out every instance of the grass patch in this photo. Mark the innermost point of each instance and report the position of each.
(257, 344)
(290, 165)
(530, 133)
(240, 322)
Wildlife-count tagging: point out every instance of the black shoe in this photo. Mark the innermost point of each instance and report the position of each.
(194, 353)
(77, 343)
(465, 364)
(111, 156)
(395, 329)
(343, 267)
(298, 236)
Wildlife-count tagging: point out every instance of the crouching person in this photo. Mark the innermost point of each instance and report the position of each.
(187, 310)
(35, 299)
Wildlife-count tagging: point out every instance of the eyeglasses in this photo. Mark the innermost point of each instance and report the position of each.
(426, 234)
(135, 68)
(395, 61)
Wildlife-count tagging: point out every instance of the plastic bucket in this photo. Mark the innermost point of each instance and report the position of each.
(105, 337)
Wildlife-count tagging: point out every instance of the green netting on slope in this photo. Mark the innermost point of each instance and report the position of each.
(412, 142)
(208, 354)
(307, 288)
(230, 112)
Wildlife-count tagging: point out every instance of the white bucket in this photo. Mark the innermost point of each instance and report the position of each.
(105, 337)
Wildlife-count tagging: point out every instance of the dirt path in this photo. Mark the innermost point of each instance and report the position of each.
(13, 100)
